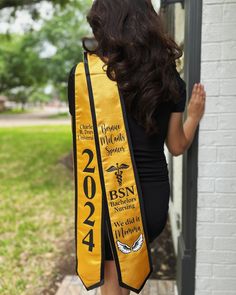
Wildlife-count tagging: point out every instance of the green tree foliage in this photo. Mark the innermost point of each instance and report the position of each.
(64, 31)
(26, 64)
(20, 65)
(20, 69)
(21, 3)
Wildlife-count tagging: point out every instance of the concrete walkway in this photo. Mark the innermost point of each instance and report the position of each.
(33, 118)
(72, 285)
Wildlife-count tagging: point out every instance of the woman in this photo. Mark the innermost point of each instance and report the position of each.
(142, 59)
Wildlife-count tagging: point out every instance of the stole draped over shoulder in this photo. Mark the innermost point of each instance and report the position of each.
(106, 180)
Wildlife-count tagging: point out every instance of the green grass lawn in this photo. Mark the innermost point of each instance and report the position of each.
(36, 205)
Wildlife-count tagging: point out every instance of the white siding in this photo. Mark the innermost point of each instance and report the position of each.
(216, 214)
(156, 4)
(175, 211)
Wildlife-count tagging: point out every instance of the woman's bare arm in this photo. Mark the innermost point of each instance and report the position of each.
(179, 135)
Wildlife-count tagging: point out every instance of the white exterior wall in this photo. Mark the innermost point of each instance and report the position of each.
(216, 212)
(156, 4)
(175, 211)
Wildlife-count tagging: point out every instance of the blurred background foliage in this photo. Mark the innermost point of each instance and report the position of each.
(40, 41)
(34, 65)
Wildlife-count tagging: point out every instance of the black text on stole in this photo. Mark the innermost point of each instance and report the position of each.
(112, 137)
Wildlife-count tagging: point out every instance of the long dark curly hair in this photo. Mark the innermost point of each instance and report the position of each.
(138, 54)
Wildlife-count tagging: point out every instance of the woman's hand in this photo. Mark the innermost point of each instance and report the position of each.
(196, 106)
(180, 136)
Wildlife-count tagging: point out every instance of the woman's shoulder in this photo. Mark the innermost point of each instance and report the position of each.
(180, 105)
(71, 89)
(72, 71)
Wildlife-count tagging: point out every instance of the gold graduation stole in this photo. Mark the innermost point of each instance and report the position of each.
(106, 179)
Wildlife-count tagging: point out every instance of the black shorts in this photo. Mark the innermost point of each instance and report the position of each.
(156, 204)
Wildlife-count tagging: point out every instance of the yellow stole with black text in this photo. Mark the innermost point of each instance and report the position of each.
(106, 179)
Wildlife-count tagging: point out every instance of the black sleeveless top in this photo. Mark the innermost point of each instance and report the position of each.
(148, 150)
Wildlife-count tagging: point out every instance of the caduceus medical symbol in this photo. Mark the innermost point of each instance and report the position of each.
(126, 249)
(118, 170)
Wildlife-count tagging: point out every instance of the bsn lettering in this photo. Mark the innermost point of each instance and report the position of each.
(121, 192)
